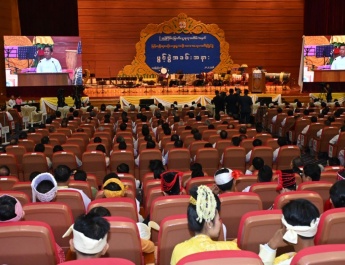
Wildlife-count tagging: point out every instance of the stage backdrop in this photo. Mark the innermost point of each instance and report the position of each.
(181, 45)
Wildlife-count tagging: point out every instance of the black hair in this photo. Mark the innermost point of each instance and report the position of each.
(156, 166)
(100, 211)
(39, 148)
(48, 46)
(110, 176)
(257, 142)
(178, 144)
(242, 130)
(122, 145)
(300, 212)
(97, 139)
(62, 173)
(80, 175)
(208, 145)
(57, 148)
(45, 186)
(282, 141)
(223, 134)
(236, 141)
(337, 194)
(150, 144)
(123, 126)
(174, 137)
(4, 170)
(192, 215)
(196, 169)
(7, 208)
(265, 174)
(112, 186)
(34, 175)
(122, 168)
(45, 140)
(101, 148)
(258, 163)
(92, 226)
(197, 136)
(333, 161)
(313, 171)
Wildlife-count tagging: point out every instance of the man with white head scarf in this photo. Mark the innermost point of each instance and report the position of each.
(90, 234)
(300, 221)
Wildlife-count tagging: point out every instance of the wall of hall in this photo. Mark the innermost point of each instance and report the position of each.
(266, 32)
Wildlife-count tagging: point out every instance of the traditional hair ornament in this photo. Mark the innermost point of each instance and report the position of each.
(292, 232)
(192, 200)
(85, 244)
(43, 197)
(205, 204)
(114, 193)
(286, 178)
(226, 177)
(165, 185)
(18, 210)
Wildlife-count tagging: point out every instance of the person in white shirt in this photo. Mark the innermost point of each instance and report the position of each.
(101, 148)
(40, 148)
(313, 119)
(289, 113)
(257, 163)
(48, 64)
(256, 142)
(335, 138)
(279, 110)
(339, 62)
(62, 175)
(264, 175)
(223, 135)
(149, 145)
(177, 144)
(281, 142)
(12, 101)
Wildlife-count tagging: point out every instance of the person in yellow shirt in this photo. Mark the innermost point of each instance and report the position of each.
(204, 221)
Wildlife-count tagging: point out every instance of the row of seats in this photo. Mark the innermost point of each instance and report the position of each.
(256, 227)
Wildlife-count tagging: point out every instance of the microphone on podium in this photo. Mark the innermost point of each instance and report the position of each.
(55, 66)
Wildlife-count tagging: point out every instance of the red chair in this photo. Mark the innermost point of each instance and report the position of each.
(258, 227)
(222, 257)
(27, 243)
(124, 241)
(331, 229)
(267, 192)
(321, 187)
(234, 206)
(320, 255)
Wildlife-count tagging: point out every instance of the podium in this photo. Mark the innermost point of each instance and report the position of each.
(329, 75)
(43, 79)
(257, 82)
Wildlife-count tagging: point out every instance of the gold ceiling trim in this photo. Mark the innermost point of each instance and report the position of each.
(180, 24)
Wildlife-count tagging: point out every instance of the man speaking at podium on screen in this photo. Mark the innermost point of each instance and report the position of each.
(339, 62)
(48, 64)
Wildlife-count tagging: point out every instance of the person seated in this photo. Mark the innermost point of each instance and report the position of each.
(236, 141)
(171, 183)
(149, 145)
(90, 234)
(62, 174)
(156, 166)
(177, 144)
(264, 175)
(197, 171)
(59, 148)
(300, 221)
(257, 163)
(224, 180)
(40, 148)
(114, 188)
(256, 142)
(337, 191)
(11, 210)
(204, 220)
(101, 148)
(299, 143)
(4, 170)
(223, 135)
(281, 142)
(80, 175)
(312, 172)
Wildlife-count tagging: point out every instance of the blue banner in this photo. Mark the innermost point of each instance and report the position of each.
(182, 53)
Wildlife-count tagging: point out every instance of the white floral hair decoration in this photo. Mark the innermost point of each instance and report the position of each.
(205, 204)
